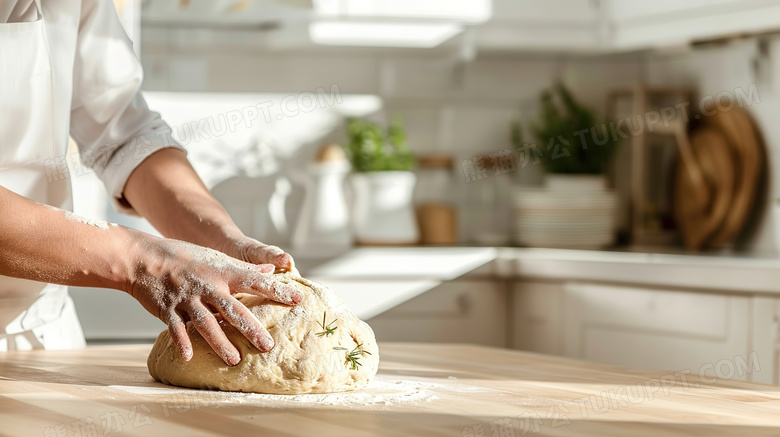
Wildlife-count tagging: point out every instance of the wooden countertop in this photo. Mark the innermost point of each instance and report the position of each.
(421, 389)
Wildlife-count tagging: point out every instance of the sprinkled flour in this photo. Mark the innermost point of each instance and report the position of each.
(391, 392)
(379, 392)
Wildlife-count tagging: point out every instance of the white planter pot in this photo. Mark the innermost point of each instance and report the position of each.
(383, 211)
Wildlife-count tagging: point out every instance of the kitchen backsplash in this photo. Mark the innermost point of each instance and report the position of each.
(465, 109)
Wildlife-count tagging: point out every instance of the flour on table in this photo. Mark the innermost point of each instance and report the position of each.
(376, 393)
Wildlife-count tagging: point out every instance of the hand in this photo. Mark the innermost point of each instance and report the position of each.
(179, 282)
(252, 251)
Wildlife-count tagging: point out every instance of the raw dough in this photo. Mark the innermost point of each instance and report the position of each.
(300, 362)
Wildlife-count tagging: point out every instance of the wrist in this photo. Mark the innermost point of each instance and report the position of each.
(107, 262)
(141, 259)
(215, 235)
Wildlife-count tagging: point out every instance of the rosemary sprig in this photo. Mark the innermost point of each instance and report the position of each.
(352, 357)
(326, 328)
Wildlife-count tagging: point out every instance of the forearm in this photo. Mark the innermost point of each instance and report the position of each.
(166, 191)
(46, 244)
(175, 281)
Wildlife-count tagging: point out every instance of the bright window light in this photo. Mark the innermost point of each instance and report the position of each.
(471, 11)
(382, 34)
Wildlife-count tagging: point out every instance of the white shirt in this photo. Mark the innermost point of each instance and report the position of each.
(18, 12)
(97, 81)
(84, 81)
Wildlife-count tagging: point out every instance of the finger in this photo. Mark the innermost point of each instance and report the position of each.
(265, 285)
(245, 322)
(178, 331)
(270, 255)
(265, 268)
(209, 329)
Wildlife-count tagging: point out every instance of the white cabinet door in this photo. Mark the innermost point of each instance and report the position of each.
(536, 317)
(461, 311)
(658, 329)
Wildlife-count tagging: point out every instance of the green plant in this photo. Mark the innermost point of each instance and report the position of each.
(371, 148)
(571, 138)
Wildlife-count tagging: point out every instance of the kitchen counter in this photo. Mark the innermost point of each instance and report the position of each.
(421, 389)
(728, 273)
(374, 280)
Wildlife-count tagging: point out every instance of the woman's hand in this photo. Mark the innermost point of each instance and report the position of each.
(179, 282)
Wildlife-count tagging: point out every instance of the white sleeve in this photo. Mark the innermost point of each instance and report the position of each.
(110, 121)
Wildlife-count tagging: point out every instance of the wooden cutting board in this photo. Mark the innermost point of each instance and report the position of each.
(718, 179)
(422, 389)
(741, 133)
(713, 156)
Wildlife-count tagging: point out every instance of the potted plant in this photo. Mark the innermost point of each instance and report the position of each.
(382, 183)
(575, 146)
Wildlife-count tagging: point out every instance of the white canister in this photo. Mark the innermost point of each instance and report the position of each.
(324, 220)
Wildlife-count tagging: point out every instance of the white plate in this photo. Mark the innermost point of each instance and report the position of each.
(596, 240)
(563, 199)
(561, 211)
(558, 233)
(564, 221)
(550, 239)
(567, 204)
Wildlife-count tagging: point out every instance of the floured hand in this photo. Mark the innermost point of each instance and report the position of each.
(179, 282)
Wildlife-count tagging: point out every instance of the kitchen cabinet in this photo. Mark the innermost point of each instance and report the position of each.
(461, 311)
(614, 26)
(654, 329)
(536, 316)
(717, 334)
(571, 26)
(638, 24)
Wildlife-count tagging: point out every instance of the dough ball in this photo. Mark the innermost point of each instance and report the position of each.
(305, 358)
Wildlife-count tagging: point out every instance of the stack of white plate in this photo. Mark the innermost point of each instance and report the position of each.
(566, 219)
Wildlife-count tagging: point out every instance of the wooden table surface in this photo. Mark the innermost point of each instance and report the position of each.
(421, 389)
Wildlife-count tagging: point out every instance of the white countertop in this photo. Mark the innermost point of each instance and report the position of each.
(373, 280)
(728, 273)
(436, 263)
